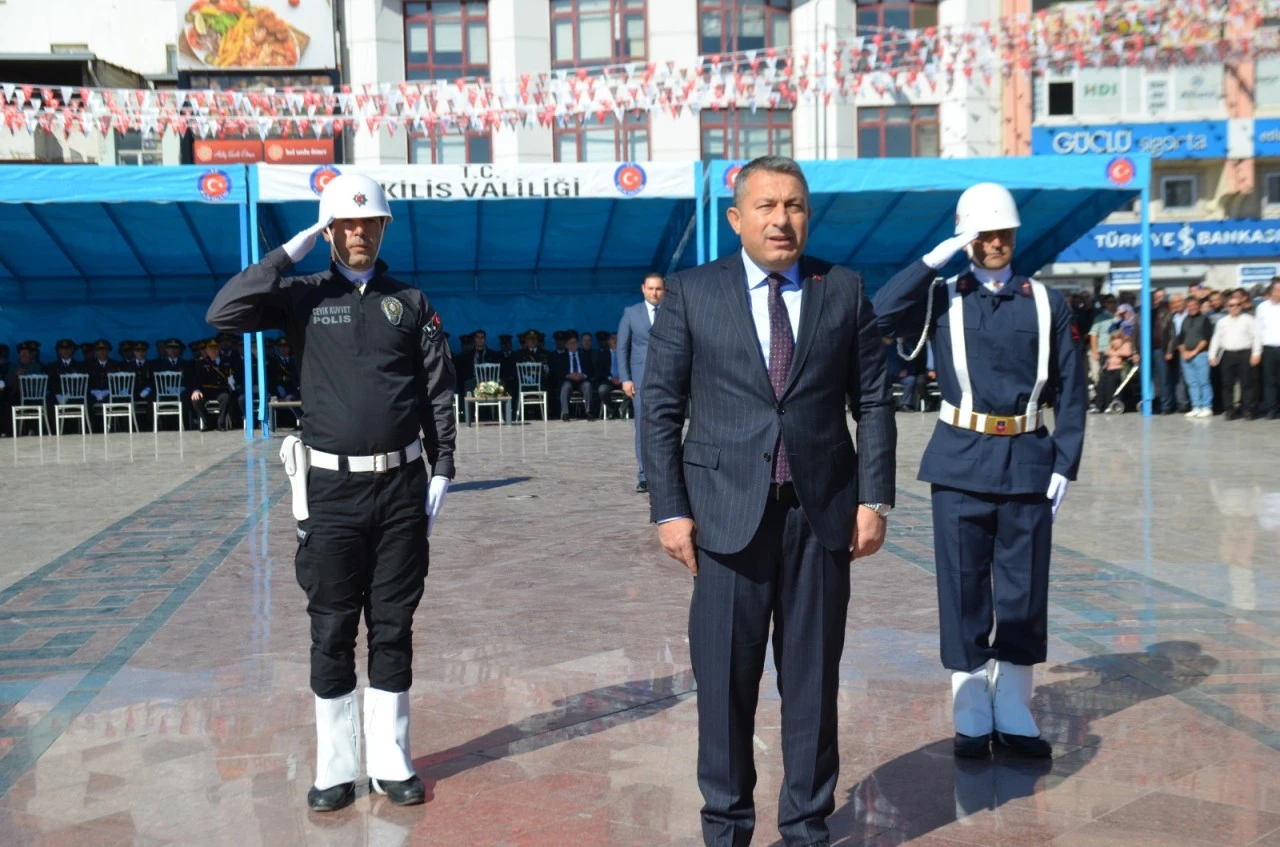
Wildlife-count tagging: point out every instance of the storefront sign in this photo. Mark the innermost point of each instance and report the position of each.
(228, 35)
(1187, 140)
(296, 151)
(1266, 137)
(1231, 239)
(492, 182)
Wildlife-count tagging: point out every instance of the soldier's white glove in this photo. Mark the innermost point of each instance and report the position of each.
(946, 251)
(436, 491)
(1057, 491)
(301, 244)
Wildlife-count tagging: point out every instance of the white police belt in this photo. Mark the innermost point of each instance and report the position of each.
(380, 463)
(990, 424)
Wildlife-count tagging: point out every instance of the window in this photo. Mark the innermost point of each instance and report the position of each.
(740, 134)
(133, 149)
(1062, 97)
(731, 26)
(451, 148)
(605, 142)
(446, 41)
(68, 48)
(898, 132)
(585, 32)
(1179, 192)
(171, 58)
(897, 15)
(1271, 197)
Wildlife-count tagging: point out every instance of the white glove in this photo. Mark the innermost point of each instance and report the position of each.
(946, 251)
(301, 244)
(99, 395)
(1057, 492)
(436, 491)
(146, 392)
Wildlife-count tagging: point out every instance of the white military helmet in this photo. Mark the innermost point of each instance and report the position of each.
(353, 196)
(985, 207)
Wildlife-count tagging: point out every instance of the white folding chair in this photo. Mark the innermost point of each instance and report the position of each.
(168, 398)
(32, 391)
(119, 401)
(531, 393)
(487, 372)
(73, 404)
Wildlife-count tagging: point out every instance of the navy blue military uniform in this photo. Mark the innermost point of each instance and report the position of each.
(991, 516)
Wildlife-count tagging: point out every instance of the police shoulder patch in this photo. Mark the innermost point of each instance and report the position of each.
(393, 309)
(433, 325)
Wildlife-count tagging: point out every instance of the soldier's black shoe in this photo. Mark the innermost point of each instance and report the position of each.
(331, 799)
(1025, 745)
(642, 488)
(407, 792)
(971, 746)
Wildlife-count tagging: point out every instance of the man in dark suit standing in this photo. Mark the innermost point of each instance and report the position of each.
(767, 501)
(633, 347)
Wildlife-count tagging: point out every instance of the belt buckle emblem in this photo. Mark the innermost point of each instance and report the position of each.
(380, 463)
(1001, 426)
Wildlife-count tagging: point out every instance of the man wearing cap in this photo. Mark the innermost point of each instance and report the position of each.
(282, 376)
(136, 363)
(214, 379)
(507, 363)
(1003, 350)
(169, 359)
(478, 354)
(378, 398)
(62, 366)
(100, 368)
(534, 352)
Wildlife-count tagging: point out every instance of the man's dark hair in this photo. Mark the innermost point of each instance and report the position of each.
(655, 275)
(771, 164)
(479, 332)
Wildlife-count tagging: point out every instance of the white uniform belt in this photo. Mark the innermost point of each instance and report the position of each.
(990, 424)
(381, 463)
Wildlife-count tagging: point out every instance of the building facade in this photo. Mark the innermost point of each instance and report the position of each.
(1213, 132)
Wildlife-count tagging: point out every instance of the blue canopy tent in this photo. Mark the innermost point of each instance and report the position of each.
(507, 247)
(879, 215)
(117, 252)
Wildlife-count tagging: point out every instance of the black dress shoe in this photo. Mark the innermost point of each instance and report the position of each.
(971, 746)
(1025, 745)
(564, 418)
(407, 792)
(331, 799)
(642, 488)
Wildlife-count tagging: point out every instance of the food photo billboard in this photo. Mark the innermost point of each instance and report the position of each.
(226, 35)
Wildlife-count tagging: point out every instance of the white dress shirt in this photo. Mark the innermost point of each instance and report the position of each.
(1269, 323)
(1233, 334)
(992, 280)
(574, 366)
(652, 310)
(758, 292)
(356, 278)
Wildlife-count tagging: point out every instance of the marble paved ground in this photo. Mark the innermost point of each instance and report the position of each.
(153, 661)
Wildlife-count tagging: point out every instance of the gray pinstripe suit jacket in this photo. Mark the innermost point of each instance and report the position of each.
(703, 345)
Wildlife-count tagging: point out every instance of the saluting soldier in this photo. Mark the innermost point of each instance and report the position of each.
(1003, 350)
(379, 397)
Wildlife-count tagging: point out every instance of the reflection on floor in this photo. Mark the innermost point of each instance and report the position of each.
(153, 656)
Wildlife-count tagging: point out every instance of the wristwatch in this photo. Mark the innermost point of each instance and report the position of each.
(881, 509)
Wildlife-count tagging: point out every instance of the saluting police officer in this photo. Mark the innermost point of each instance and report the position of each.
(379, 395)
(1002, 350)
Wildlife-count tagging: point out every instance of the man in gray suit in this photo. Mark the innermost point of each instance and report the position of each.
(633, 346)
(767, 501)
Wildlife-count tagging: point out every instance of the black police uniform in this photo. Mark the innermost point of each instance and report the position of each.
(991, 516)
(378, 376)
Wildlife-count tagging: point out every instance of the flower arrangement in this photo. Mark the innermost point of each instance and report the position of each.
(489, 391)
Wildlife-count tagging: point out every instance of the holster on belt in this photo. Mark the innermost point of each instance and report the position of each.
(296, 463)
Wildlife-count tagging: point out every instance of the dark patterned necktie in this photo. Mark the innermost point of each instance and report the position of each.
(782, 346)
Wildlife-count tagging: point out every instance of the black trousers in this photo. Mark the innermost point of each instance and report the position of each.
(1108, 382)
(785, 576)
(227, 410)
(992, 555)
(363, 550)
(1235, 368)
(1271, 380)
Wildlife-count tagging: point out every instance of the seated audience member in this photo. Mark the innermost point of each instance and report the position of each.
(63, 365)
(607, 378)
(100, 370)
(570, 369)
(7, 381)
(282, 380)
(478, 354)
(214, 380)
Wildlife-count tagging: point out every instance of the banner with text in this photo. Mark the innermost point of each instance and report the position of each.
(1233, 239)
(283, 183)
(1186, 140)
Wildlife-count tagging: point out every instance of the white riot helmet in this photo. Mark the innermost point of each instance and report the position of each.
(986, 207)
(353, 196)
